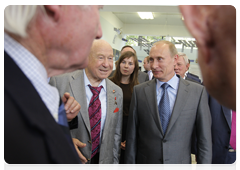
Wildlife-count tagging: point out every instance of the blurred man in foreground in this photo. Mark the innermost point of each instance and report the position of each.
(40, 42)
(214, 27)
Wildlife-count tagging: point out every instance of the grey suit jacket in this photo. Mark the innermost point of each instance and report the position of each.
(142, 77)
(111, 136)
(145, 141)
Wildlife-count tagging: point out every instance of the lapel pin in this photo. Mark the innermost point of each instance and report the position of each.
(113, 91)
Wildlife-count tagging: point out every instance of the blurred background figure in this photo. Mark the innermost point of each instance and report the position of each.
(182, 67)
(147, 68)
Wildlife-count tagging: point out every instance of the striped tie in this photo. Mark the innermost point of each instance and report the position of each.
(94, 111)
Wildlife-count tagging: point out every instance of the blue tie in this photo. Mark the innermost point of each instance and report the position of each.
(164, 108)
(62, 118)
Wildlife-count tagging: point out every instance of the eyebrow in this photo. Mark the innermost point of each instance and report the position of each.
(104, 55)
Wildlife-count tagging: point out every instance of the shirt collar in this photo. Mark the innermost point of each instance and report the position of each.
(87, 82)
(173, 82)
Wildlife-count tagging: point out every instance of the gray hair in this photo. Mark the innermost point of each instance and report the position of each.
(17, 18)
(180, 54)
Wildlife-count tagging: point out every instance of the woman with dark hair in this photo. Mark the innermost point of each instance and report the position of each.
(126, 77)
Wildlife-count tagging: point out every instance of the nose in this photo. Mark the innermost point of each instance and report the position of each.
(153, 65)
(105, 62)
(99, 32)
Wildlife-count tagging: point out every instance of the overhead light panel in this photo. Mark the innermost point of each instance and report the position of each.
(145, 15)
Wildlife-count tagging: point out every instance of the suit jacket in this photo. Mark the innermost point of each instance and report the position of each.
(193, 77)
(31, 135)
(142, 77)
(111, 136)
(221, 131)
(111, 73)
(145, 141)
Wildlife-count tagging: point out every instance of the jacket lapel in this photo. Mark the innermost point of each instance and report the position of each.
(79, 93)
(150, 91)
(35, 112)
(110, 107)
(182, 97)
(227, 115)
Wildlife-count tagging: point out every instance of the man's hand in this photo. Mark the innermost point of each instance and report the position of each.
(72, 107)
(77, 144)
(123, 145)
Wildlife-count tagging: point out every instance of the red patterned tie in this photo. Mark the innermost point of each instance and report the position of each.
(233, 131)
(94, 111)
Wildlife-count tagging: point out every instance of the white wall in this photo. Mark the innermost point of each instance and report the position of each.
(109, 21)
(139, 29)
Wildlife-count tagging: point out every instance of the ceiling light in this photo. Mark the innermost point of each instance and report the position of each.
(145, 15)
(182, 18)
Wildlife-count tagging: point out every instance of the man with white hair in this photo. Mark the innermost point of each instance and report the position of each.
(40, 42)
(182, 67)
(96, 132)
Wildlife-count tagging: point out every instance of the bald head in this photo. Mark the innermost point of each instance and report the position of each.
(99, 44)
(100, 62)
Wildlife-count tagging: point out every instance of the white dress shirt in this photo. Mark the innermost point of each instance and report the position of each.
(35, 72)
(102, 98)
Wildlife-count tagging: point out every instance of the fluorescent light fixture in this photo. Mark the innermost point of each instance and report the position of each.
(145, 15)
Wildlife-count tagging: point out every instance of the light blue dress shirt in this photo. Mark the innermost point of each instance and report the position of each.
(172, 90)
(102, 97)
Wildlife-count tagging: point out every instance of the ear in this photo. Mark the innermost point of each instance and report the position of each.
(175, 59)
(187, 65)
(196, 21)
(53, 11)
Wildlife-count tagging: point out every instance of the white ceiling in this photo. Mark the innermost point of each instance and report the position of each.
(163, 15)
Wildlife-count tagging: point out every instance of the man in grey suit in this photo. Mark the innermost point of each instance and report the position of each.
(161, 133)
(142, 77)
(182, 67)
(78, 85)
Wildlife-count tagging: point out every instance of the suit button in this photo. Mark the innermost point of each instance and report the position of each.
(164, 141)
(90, 141)
(226, 147)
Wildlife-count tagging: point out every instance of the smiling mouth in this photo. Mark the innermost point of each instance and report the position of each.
(104, 71)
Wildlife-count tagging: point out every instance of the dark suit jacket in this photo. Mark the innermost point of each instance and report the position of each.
(31, 135)
(146, 143)
(221, 131)
(193, 77)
